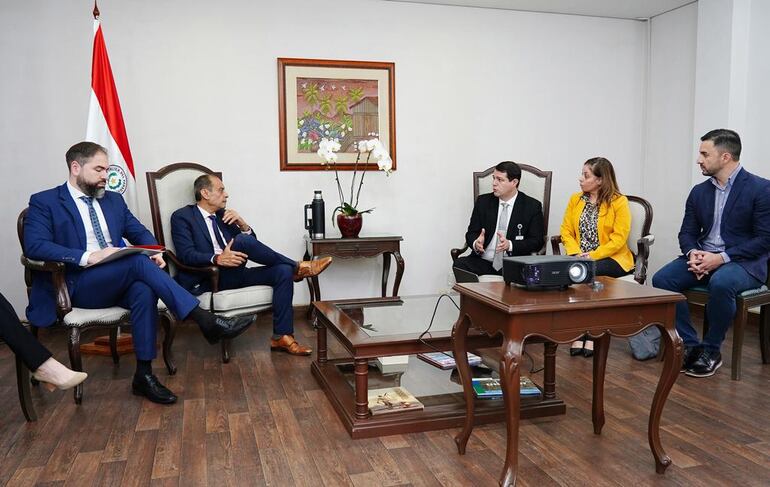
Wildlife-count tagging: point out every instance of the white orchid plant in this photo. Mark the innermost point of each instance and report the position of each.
(327, 151)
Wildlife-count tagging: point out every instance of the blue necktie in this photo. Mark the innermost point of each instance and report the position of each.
(95, 222)
(217, 235)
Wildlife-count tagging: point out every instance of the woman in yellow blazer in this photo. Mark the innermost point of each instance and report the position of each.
(596, 224)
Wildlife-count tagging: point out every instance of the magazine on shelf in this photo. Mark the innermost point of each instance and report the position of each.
(392, 400)
(489, 387)
(445, 360)
(131, 250)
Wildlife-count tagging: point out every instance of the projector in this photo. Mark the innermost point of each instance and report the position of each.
(548, 271)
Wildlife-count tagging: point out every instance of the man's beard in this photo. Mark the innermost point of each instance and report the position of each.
(90, 189)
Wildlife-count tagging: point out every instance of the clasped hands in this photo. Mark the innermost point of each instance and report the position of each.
(502, 243)
(701, 262)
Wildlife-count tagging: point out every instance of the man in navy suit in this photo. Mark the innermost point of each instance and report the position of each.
(505, 207)
(725, 241)
(209, 233)
(81, 224)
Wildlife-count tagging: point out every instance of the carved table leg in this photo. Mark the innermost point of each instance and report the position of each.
(385, 273)
(399, 271)
(460, 349)
(549, 370)
(362, 387)
(509, 379)
(602, 346)
(321, 340)
(672, 362)
(314, 289)
(309, 286)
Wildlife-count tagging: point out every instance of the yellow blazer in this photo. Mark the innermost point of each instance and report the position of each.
(614, 226)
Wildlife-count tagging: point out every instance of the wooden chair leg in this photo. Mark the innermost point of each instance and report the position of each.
(35, 332)
(225, 351)
(738, 328)
(114, 345)
(169, 330)
(25, 397)
(764, 333)
(76, 361)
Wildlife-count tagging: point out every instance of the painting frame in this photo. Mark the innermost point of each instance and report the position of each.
(299, 154)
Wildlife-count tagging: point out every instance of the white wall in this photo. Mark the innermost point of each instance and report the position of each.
(670, 102)
(758, 98)
(197, 81)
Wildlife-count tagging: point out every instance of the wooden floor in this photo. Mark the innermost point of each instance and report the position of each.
(262, 420)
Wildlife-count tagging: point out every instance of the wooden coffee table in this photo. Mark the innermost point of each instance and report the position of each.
(380, 327)
(615, 307)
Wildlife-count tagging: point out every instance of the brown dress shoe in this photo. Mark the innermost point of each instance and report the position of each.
(310, 268)
(288, 344)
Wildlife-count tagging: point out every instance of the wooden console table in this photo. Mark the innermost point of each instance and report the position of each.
(616, 307)
(355, 248)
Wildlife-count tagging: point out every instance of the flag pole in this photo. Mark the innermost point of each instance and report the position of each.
(104, 345)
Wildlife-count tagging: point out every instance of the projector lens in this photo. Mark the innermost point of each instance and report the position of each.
(578, 272)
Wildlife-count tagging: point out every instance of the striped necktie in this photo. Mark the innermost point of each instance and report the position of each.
(95, 221)
(502, 227)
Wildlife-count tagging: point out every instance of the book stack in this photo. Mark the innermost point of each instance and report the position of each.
(445, 360)
(393, 364)
(392, 400)
(490, 388)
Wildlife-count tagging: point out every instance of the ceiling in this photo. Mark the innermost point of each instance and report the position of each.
(621, 9)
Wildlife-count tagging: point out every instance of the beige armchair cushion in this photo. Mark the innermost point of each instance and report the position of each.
(239, 301)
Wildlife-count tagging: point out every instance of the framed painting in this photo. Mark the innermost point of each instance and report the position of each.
(348, 101)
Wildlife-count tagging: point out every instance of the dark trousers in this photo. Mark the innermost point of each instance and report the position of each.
(136, 283)
(21, 341)
(609, 267)
(724, 284)
(474, 263)
(277, 272)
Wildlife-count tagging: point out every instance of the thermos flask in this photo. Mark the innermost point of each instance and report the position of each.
(316, 223)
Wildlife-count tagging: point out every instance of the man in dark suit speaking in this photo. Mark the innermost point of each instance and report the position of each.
(81, 224)
(504, 222)
(209, 233)
(725, 241)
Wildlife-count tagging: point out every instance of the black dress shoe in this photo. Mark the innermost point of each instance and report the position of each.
(689, 358)
(577, 347)
(706, 364)
(149, 386)
(220, 327)
(588, 349)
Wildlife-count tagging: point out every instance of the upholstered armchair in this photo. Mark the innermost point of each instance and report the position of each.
(171, 188)
(534, 182)
(639, 239)
(78, 320)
